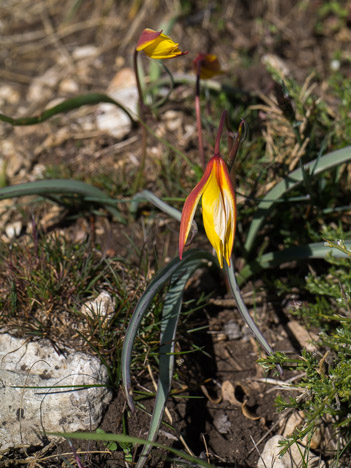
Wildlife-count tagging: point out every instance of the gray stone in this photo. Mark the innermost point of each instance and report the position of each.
(102, 306)
(232, 330)
(222, 423)
(111, 119)
(27, 413)
(298, 456)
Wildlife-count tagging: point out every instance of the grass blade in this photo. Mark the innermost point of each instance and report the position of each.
(124, 439)
(160, 204)
(292, 180)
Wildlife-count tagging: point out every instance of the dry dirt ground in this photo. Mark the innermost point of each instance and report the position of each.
(40, 62)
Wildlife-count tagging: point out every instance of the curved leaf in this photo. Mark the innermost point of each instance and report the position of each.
(124, 439)
(271, 259)
(293, 179)
(160, 204)
(47, 188)
(243, 309)
(194, 257)
(66, 106)
(170, 316)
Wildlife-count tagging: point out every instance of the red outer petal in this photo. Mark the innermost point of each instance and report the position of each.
(199, 58)
(146, 37)
(209, 66)
(190, 207)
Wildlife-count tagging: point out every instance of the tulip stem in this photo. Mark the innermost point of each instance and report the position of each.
(236, 144)
(164, 99)
(137, 79)
(198, 116)
(219, 134)
(142, 114)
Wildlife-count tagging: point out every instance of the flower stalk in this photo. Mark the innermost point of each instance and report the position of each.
(155, 45)
(138, 181)
(198, 116)
(205, 67)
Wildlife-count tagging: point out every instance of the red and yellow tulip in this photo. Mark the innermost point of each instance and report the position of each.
(218, 209)
(207, 65)
(157, 45)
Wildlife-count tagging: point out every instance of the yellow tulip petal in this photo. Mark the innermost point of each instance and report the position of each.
(230, 209)
(218, 209)
(157, 45)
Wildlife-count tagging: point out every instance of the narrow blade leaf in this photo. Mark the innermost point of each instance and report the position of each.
(142, 307)
(170, 316)
(124, 439)
(66, 106)
(243, 309)
(301, 252)
(47, 188)
(146, 195)
(292, 180)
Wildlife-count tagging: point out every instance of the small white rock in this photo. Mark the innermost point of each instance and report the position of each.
(232, 330)
(335, 65)
(13, 230)
(110, 118)
(295, 420)
(173, 120)
(42, 86)
(291, 459)
(85, 52)
(101, 306)
(8, 94)
(222, 423)
(68, 86)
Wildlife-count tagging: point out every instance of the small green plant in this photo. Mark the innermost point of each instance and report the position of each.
(325, 395)
(44, 276)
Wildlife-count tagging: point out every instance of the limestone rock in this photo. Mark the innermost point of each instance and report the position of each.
(291, 459)
(56, 404)
(232, 330)
(102, 306)
(110, 118)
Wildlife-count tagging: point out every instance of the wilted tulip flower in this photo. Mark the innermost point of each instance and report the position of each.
(157, 45)
(218, 209)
